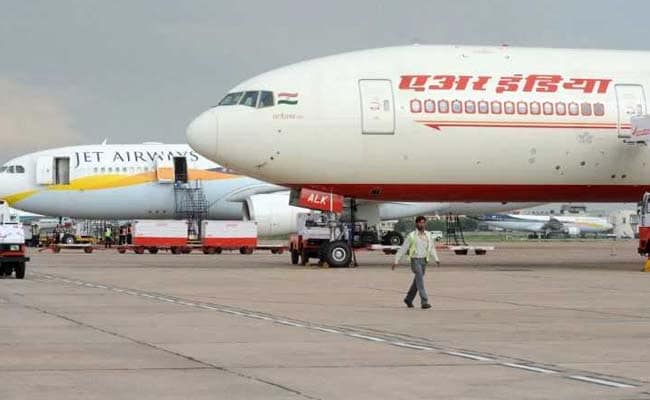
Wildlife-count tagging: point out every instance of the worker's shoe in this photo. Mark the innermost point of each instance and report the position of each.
(426, 305)
(409, 304)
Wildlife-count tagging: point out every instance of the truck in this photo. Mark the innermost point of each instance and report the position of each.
(12, 244)
(217, 236)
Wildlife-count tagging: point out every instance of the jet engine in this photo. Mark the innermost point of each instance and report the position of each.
(573, 231)
(272, 212)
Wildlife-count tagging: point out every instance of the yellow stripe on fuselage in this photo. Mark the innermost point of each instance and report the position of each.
(112, 181)
(16, 197)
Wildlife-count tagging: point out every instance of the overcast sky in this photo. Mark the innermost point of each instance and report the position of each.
(79, 72)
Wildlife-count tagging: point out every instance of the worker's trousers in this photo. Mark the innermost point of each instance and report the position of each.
(418, 266)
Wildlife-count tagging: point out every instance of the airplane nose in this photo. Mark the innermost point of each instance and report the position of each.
(202, 134)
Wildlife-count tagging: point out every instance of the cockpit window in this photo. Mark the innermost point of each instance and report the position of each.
(20, 169)
(2, 169)
(231, 99)
(10, 169)
(266, 99)
(249, 99)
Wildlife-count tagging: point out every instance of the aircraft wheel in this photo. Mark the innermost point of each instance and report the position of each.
(153, 250)
(138, 250)
(338, 254)
(88, 250)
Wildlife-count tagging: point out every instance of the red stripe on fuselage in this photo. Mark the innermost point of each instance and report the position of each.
(483, 192)
(567, 125)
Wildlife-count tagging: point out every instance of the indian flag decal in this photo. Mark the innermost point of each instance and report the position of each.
(288, 98)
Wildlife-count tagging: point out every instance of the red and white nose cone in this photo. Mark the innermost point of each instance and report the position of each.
(202, 134)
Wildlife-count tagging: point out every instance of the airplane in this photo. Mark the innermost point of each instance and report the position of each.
(155, 180)
(547, 225)
(442, 123)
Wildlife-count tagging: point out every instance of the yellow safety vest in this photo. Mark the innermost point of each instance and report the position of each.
(412, 238)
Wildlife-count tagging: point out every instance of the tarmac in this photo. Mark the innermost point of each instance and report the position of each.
(529, 320)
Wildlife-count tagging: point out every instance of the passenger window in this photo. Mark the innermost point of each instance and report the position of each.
(470, 107)
(443, 106)
(456, 107)
(266, 99)
(483, 107)
(20, 169)
(429, 106)
(509, 107)
(535, 108)
(496, 107)
(573, 109)
(522, 107)
(231, 99)
(599, 109)
(585, 109)
(416, 106)
(560, 108)
(249, 99)
(547, 108)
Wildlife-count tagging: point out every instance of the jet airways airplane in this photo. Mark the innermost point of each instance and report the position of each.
(150, 180)
(548, 224)
(442, 123)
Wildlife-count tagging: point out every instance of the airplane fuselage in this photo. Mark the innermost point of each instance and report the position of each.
(443, 123)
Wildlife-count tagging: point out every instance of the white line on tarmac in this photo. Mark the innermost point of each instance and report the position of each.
(374, 339)
(467, 355)
(411, 346)
(281, 321)
(318, 328)
(588, 379)
(529, 368)
(600, 381)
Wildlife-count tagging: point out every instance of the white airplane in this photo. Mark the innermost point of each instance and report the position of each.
(154, 180)
(547, 225)
(443, 123)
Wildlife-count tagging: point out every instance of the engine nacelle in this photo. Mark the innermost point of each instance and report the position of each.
(272, 212)
(573, 231)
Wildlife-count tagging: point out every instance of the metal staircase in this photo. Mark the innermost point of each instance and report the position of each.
(191, 205)
(455, 235)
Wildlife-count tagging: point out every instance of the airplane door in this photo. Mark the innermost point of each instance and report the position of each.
(180, 170)
(45, 170)
(377, 106)
(630, 100)
(62, 170)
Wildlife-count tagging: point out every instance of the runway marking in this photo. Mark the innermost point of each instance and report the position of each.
(290, 323)
(374, 339)
(411, 346)
(530, 368)
(328, 330)
(389, 338)
(467, 355)
(598, 381)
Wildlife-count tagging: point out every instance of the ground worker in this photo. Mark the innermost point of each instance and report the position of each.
(108, 237)
(419, 247)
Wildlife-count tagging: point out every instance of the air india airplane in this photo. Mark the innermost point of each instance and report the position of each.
(442, 123)
(154, 180)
